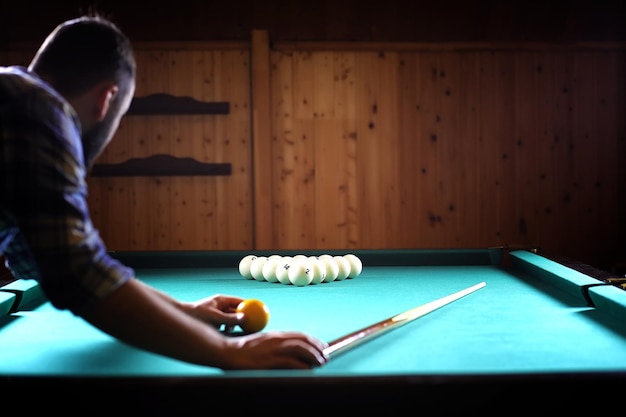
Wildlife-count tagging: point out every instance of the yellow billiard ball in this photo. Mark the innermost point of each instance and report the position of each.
(255, 315)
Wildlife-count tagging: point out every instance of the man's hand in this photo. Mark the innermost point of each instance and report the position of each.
(275, 350)
(216, 310)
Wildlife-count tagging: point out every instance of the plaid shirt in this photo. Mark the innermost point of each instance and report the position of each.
(45, 229)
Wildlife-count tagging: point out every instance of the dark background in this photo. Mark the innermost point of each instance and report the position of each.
(332, 20)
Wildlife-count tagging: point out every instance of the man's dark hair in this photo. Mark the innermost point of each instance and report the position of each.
(83, 52)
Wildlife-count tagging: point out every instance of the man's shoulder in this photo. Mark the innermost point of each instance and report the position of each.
(22, 91)
(19, 81)
(17, 78)
(13, 70)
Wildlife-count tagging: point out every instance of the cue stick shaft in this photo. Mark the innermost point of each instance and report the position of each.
(365, 334)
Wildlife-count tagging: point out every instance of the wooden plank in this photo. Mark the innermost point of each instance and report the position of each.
(377, 148)
(368, 162)
(453, 185)
(183, 133)
(345, 113)
(387, 145)
(583, 150)
(497, 148)
(608, 110)
(157, 193)
(297, 177)
(234, 198)
(327, 146)
(330, 195)
(283, 91)
(310, 79)
(488, 172)
(138, 145)
(429, 163)
(546, 185)
(506, 196)
(527, 134)
(466, 205)
(409, 166)
(562, 161)
(261, 134)
(206, 147)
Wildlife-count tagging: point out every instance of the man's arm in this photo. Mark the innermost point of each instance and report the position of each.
(216, 310)
(140, 316)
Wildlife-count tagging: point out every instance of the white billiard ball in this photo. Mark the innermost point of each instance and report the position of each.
(244, 266)
(332, 269)
(300, 257)
(356, 266)
(269, 269)
(299, 274)
(344, 267)
(256, 268)
(282, 271)
(317, 271)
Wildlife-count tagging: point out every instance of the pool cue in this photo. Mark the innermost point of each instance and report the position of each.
(354, 339)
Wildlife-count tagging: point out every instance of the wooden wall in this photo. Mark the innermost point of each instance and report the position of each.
(183, 212)
(376, 145)
(409, 145)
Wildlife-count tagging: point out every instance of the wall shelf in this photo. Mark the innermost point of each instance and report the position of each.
(161, 165)
(167, 104)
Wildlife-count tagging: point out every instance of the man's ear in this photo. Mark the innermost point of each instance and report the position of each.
(104, 94)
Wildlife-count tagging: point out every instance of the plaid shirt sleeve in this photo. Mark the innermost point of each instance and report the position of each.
(45, 229)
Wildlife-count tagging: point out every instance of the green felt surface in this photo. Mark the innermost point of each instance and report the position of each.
(28, 293)
(7, 300)
(520, 322)
(610, 299)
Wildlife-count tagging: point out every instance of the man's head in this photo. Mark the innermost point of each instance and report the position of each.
(90, 62)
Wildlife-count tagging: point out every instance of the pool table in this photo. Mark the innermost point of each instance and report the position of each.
(537, 327)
